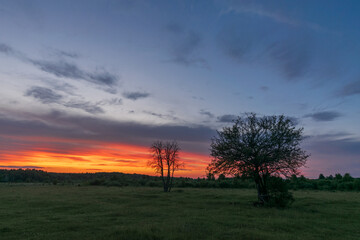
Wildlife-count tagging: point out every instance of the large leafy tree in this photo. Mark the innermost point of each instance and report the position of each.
(258, 147)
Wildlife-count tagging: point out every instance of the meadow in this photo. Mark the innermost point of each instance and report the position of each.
(35, 211)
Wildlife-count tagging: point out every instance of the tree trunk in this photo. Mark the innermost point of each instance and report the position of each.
(172, 177)
(263, 196)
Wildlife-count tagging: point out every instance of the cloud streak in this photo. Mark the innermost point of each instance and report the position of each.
(206, 113)
(350, 89)
(72, 71)
(135, 95)
(291, 55)
(44, 95)
(258, 9)
(48, 96)
(184, 46)
(65, 69)
(227, 118)
(324, 116)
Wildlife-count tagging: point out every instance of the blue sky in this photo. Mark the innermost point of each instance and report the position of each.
(180, 70)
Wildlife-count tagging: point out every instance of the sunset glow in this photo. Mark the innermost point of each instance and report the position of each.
(93, 156)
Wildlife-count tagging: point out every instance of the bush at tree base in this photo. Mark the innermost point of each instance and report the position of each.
(279, 195)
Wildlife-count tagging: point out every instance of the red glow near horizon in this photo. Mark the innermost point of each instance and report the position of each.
(79, 156)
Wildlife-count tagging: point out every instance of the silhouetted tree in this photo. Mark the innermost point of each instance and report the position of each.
(347, 177)
(165, 160)
(210, 176)
(338, 176)
(258, 147)
(321, 176)
(221, 177)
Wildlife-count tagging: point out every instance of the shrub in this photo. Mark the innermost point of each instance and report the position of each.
(279, 195)
(97, 182)
(357, 184)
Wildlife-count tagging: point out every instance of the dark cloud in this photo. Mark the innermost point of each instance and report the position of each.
(60, 69)
(350, 89)
(44, 95)
(227, 118)
(135, 95)
(71, 70)
(324, 116)
(206, 113)
(103, 78)
(47, 96)
(59, 125)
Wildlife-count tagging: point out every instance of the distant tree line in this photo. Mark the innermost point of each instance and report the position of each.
(337, 182)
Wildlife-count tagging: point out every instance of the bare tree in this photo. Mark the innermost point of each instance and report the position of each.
(258, 147)
(165, 160)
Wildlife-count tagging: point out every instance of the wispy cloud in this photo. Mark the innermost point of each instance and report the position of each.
(65, 69)
(110, 102)
(350, 89)
(44, 95)
(290, 55)
(227, 118)
(277, 16)
(160, 115)
(4, 48)
(48, 96)
(60, 69)
(206, 113)
(135, 95)
(185, 44)
(324, 116)
(68, 54)
(84, 105)
(71, 70)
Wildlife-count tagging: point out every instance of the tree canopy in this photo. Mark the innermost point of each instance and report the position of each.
(258, 147)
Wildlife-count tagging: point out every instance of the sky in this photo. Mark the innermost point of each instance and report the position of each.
(87, 86)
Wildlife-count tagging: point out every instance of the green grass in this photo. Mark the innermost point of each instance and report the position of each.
(89, 212)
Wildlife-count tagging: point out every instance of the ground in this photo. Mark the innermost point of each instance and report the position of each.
(98, 212)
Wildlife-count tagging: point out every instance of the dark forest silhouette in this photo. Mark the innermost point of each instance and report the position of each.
(328, 183)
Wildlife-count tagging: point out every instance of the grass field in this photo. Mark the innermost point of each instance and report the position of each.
(91, 212)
